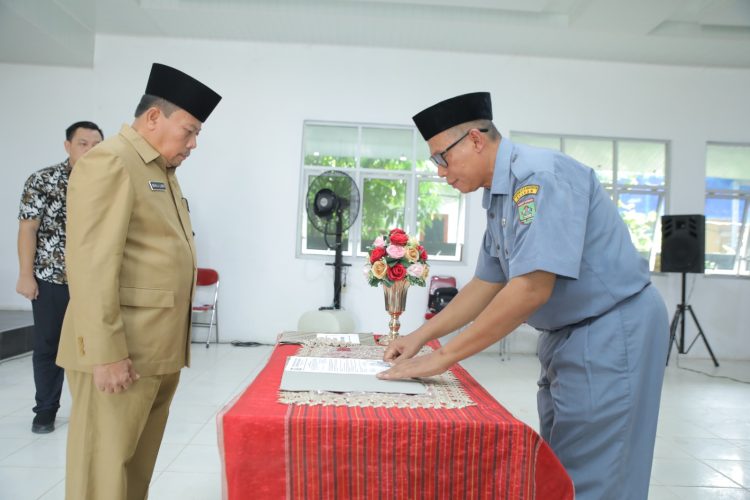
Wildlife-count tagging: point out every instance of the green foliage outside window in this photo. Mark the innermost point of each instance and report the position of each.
(393, 161)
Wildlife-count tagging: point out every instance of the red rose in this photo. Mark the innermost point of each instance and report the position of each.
(396, 230)
(399, 238)
(377, 254)
(397, 272)
(422, 252)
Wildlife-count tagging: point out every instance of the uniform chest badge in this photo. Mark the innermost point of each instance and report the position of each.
(157, 186)
(525, 201)
(526, 211)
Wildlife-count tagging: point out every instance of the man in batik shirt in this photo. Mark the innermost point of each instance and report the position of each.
(41, 259)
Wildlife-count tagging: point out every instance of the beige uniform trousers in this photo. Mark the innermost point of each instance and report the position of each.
(113, 439)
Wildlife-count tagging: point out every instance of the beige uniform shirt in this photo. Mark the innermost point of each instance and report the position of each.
(131, 261)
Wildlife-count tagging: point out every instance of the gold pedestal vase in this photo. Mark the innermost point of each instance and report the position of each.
(395, 304)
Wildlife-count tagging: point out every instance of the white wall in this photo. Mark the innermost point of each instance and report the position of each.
(242, 181)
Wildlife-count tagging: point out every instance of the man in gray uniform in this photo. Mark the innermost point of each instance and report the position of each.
(555, 255)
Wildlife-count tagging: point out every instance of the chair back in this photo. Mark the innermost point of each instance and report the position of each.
(442, 290)
(441, 282)
(207, 276)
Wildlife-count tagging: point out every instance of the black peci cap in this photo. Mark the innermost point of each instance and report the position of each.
(454, 111)
(182, 90)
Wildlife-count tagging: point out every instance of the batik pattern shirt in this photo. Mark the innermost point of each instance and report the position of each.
(43, 199)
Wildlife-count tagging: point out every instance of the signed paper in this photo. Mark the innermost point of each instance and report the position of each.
(342, 375)
(344, 366)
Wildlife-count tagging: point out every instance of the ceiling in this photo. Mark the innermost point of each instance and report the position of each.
(676, 32)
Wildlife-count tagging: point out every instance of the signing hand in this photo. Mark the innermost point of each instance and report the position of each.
(403, 348)
(426, 365)
(28, 287)
(115, 377)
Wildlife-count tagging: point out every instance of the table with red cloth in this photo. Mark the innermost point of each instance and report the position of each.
(271, 450)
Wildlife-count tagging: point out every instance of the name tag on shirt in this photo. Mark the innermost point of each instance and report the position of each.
(157, 186)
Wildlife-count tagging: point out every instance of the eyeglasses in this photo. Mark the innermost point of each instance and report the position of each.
(439, 158)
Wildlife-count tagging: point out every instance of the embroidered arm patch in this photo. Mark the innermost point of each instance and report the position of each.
(526, 202)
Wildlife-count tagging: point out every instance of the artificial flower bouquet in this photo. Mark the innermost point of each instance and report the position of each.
(396, 257)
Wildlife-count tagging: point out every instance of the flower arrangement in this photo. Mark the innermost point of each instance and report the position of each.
(396, 257)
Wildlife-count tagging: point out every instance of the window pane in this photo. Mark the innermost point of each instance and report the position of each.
(383, 202)
(316, 239)
(386, 148)
(723, 232)
(745, 264)
(728, 167)
(330, 146)
(438, 212)
(595, 153)
(640, 212)
(641, 163)
(423, 158)
(540, 141)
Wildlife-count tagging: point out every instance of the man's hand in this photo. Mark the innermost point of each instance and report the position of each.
(28, 287)
(115, 377)
(426, 365)
(403, 348)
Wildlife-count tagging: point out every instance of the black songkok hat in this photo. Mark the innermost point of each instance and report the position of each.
(454, 111)
(182, 90)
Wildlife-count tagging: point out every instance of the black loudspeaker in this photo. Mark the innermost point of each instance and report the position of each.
(683, 243)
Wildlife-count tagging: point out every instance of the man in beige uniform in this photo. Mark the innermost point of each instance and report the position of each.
(131, 270)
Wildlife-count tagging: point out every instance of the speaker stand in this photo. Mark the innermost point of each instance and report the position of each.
(679, 317)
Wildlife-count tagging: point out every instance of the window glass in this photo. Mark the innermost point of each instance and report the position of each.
(727, 197)
(424, 165)
(386, 149)
(330, 146)
(595, 153)
(728, 167)
(724, 231)
(439, 217)
(641, 163)
(383, 202)
(398, 185)
(538, 140)
(745, 263)
(640, 211)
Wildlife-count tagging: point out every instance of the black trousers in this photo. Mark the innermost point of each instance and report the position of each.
(49, 311)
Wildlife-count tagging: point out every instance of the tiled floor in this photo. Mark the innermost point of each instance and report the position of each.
(702, 452)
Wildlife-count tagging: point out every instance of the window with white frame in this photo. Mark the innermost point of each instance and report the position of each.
(727, 198)
(399, 187)
(633, 171)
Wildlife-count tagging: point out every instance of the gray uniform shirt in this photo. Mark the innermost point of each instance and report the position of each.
(548, 212)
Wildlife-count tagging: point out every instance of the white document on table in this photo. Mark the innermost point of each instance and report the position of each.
(342, 375)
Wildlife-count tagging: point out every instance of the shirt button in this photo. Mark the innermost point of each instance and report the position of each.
(503, 221)
(497, 247)
(492, 215)
(506, 252)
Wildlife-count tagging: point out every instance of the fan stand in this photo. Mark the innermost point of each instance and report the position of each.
(330, 319)
(338, 265)
(332, 193)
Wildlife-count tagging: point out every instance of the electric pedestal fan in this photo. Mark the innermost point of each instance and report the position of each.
(332, 208)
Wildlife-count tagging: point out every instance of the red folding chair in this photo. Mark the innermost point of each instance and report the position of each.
(208, 278)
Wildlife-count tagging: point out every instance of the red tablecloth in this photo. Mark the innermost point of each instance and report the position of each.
(274, 451)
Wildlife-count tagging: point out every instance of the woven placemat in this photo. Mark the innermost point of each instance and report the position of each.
(443, 391)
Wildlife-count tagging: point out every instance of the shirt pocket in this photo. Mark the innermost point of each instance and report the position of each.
(146, 297)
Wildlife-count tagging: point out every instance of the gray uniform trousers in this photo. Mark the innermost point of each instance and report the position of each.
(599, 394)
